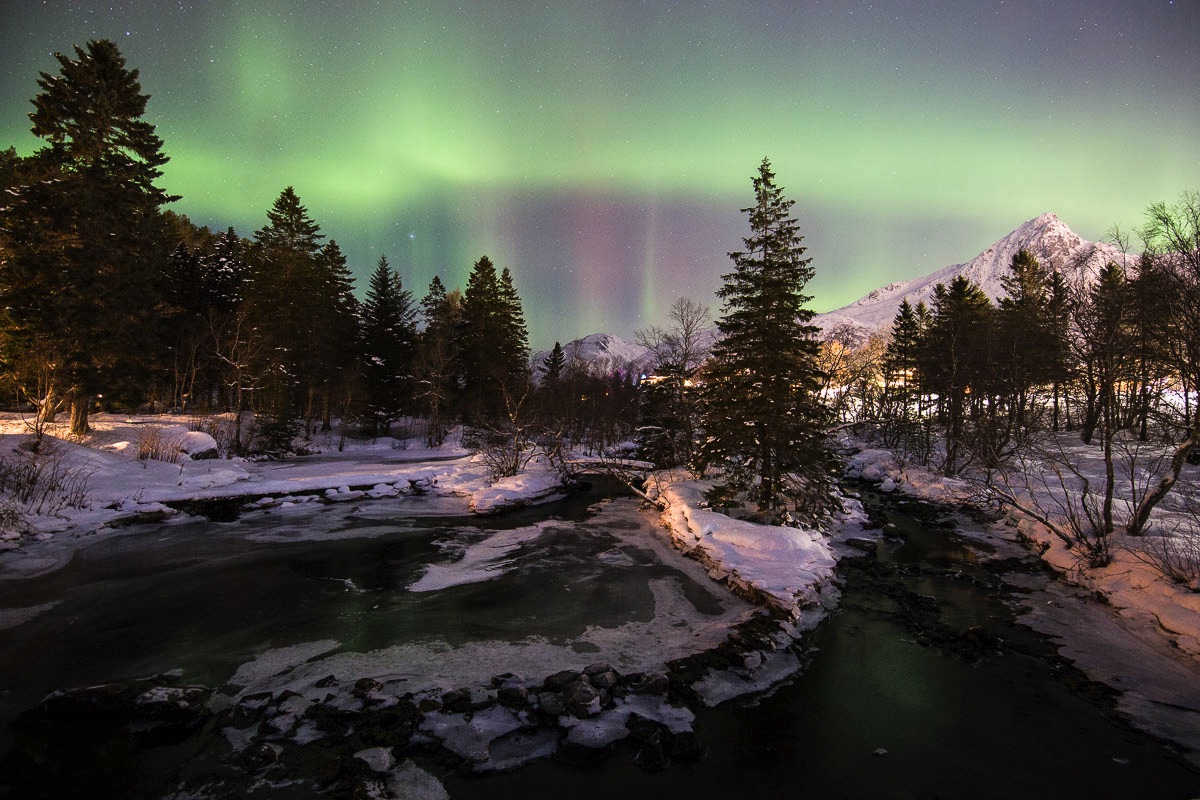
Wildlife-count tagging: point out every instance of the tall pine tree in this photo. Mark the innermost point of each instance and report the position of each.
(301, 306)
(83, 230)
(764, 424)
(494, 346)
(438, 358)
(389, 346)
(955, 357)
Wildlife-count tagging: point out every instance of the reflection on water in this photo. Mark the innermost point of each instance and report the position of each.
(879, 714)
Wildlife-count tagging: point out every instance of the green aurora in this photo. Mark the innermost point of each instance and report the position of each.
(602, 150)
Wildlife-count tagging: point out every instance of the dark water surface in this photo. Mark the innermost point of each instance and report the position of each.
(920, 685)
(896, 703)
(205, 599)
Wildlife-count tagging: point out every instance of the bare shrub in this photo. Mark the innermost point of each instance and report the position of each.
(505, 445)
(504, 450)
(157, 444)
(11, 519)
(1173, 550)
(39, 483)
(1046, 485)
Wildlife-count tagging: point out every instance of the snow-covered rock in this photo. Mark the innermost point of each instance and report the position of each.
(789, 568)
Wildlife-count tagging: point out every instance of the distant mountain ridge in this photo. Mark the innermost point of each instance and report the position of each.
(1047, 237)
(604, 351)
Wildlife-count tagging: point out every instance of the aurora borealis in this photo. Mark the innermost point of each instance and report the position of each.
(601, 150)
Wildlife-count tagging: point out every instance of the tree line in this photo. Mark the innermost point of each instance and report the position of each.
(109, 299)
(105, 292)
(1109, 356)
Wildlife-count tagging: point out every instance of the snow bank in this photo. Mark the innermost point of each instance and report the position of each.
(539, 481)
(1143, 637)
(788, 568)
(1142, 596)
(121, 487)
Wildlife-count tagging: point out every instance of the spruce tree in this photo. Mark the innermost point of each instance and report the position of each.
(494, 345)
(901, 360)
(224, 272)
(335, 347)
(1024, 350)
(438, 358)
(553, 365)
(83, 232)
(513, 329)
(903, 421)
(1059, 316)
(764, 424)
(388, 345)
(285, 295)
(954, 357)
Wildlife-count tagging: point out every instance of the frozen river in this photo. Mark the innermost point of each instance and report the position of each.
(921, 684)
(408, 593)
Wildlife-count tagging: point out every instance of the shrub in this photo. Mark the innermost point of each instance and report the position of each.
(39, 483)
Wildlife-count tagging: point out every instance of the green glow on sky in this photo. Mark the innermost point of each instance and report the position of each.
(913, 137)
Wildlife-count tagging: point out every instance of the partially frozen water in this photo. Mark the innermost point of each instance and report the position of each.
(281, 600)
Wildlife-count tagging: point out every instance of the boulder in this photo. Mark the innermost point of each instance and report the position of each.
(560, 680)
(862, 544)
(652, 683)
(551, 704)
(512, 696)
(582, 699)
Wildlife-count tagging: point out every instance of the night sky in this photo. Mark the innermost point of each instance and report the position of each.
(602, 150)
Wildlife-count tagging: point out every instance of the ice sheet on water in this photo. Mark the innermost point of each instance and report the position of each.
(12, 617)
(470, 736)
(717, 687)
(610, 726)
(413, 783)
(481, 560)
(519, 747)
(280, 660)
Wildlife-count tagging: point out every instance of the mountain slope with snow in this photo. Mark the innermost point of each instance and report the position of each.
(601, 351)
(1047, 237)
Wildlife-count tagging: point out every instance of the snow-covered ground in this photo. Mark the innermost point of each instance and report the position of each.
(117, 486)
(1135, 590)
(789, 568)
(1124, 624)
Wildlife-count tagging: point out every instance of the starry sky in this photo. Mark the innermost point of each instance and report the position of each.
(602, 149)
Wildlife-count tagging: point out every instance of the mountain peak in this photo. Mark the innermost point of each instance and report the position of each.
(1047, 237)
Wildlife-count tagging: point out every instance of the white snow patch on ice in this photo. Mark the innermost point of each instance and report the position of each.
(280, 661)
(471, 737)
(481, 561)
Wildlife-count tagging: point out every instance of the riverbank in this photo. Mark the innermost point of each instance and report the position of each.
(105, 485)
(920, 683)
(1142, 647)
(1123, 625)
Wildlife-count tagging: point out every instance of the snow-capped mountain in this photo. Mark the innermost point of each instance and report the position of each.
(603, 351)
(1047, 237)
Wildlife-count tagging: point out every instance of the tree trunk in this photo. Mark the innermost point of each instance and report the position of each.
(48, 408)
(1137, 522)
(80, 406)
